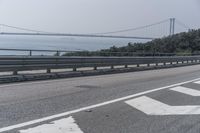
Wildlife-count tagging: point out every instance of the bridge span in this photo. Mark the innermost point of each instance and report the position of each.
(75, 35)
(110, 34)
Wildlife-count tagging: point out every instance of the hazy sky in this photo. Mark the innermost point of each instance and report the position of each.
(88, 16)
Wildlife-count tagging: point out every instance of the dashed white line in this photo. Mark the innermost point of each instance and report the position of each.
(89, 107)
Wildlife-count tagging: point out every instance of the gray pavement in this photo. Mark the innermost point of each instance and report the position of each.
(24, 102)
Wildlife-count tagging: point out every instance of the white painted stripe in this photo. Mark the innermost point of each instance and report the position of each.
(197, 82)
(65, 125)
(186, 91)
(153, 107)
(89, 107)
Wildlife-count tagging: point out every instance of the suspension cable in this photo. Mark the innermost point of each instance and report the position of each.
(23, 29)
(133, 29)
(182, 24)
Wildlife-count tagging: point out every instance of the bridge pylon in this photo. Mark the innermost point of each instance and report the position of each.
(172, 26)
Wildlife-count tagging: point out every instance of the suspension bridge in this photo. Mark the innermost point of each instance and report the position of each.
(30, 32)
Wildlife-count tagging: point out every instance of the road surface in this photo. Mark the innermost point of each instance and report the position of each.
(155, 101)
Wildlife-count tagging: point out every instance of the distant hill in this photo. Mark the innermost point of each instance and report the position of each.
(182, 43)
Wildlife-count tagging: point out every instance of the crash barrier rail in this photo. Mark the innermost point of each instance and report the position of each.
(24, 63)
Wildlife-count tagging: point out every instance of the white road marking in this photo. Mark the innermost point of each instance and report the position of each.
(65, 125)
(197, 82)
(153, 107)
(90, 107)
(187, 91)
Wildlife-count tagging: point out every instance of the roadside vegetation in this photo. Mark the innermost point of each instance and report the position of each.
(185, 43)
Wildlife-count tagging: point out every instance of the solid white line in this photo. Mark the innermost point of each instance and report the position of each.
(89, 107)
(153, 107)
(65, 125)
(186, 91)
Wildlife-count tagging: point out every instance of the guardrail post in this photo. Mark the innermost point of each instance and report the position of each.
(171, 63)
(156, 64)
(95, 68)
(57, 53)
(112, 67)
(48, 70)
(148, 65)
(74, 69)
(30, 53)
(177, 62)
(164, 63)
(15, 72)
(126, 66)
(138, 65)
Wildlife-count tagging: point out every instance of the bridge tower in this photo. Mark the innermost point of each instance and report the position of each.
(172, 26)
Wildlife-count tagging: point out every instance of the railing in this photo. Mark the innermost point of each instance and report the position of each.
(33, 52)
(23, 63)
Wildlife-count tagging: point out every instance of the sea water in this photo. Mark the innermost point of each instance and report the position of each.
(58, 43)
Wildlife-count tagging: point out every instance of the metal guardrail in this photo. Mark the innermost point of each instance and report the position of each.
(24, 63)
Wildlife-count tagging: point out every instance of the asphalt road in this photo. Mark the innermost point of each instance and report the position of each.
(156, 101)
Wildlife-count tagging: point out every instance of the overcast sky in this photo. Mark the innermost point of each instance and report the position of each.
(88, 16)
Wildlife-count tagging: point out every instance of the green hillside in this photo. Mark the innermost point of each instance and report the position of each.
(182, 43)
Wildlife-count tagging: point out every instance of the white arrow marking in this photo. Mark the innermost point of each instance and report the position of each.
(187, 91)
(153, 107)
(66, 125)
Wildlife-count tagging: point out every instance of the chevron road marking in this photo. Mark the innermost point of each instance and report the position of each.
(20, 125)
(197, 82)
(186, 91)
(65, 125)
(153, 107)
